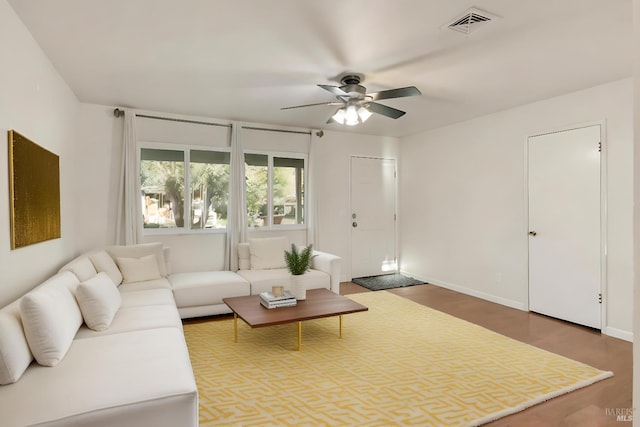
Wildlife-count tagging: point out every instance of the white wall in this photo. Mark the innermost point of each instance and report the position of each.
(37, 103)
(463, 199)
(333, 187)
(100, 136)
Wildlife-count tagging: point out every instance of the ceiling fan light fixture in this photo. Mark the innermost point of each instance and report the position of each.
(351, 116)
(340, 115)
(364, 114)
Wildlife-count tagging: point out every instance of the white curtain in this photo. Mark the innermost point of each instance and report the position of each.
(129, 215)
(237, 209)
(310, 192)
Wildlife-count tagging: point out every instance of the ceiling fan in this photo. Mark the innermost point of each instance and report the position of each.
(356, 105)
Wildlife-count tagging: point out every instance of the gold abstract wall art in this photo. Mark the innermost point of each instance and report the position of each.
(34, 192)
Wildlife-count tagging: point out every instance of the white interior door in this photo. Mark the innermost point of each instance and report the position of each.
(373, 215)
(564, 225)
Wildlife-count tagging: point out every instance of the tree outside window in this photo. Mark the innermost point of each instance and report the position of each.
(162, 186)
(209, 174)
(286, 190)
(164, 194)
(257, 189)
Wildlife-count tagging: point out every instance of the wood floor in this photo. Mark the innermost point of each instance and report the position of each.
(595, 405)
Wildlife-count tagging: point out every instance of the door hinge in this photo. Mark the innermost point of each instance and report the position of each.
(599, 147)
(600, 298)
(394, 217)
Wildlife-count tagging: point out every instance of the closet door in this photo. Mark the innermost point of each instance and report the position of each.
(564, 225)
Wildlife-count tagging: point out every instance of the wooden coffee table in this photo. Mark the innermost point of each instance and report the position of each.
(319, 303)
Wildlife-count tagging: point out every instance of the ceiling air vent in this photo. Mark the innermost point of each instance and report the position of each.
(471, 20)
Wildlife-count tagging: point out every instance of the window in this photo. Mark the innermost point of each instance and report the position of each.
(209, 173)
(187, 188)
(288, 189)
(162, 185)
(257, 189)
(172, 180)
(274, 189)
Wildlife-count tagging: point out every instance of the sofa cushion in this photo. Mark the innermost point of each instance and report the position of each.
(99, 300)
(146, 297)
(167, 260)
(137, 319)
(146, 285)
(262, 281)
(268, 253)
(51, 317)
(15, 355)
(103, 263)
(138, 251)
(82, 267)
(244, 256)
(138, 269)
(207, 288)
(141, 378)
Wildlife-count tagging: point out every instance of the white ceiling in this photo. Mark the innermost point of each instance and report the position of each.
(245, 59)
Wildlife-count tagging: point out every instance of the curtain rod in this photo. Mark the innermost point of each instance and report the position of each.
(118, 112)
(278, 130)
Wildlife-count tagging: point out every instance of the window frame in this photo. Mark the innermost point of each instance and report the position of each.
(283, 154)
(186, 149)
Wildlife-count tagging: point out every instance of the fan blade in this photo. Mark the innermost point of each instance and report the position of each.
(374, 107)
(394, 93)
(334, 90)
(313, 105)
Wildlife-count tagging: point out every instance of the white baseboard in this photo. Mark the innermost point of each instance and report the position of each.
(612, 332)
(468, 291)
(618, 333)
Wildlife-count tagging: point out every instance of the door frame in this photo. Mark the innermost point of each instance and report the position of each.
(395, 227)
(603, 207)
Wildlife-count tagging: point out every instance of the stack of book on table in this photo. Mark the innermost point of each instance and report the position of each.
(269, 300)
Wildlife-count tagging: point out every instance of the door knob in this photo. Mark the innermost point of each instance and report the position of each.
(354, 224)
(532, 233)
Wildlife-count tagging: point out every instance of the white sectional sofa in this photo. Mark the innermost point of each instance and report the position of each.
(101, 342)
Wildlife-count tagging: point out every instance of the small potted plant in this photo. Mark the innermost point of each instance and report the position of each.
(298, 263)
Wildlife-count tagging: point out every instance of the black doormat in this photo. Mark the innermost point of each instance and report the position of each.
(386, 281)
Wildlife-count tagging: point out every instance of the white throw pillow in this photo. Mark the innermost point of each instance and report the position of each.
(51, 318)
(103, 262)
(99, 301)
(138, 251)
(139, 269)
(82, 267)
(15, 355)
(268, 253)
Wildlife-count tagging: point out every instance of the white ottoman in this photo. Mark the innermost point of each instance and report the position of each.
(200, 294)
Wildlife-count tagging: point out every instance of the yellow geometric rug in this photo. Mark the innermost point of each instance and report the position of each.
(398, 364)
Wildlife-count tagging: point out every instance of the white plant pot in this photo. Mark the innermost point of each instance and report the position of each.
(298, 287)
